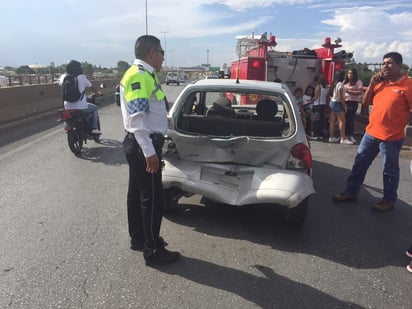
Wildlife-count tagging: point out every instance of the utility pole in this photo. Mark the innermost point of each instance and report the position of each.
(164, 34)
(207, 57)
(146, 16)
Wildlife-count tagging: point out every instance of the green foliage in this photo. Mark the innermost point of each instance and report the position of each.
(122, 66)
(88, 69)
(25, 69)
(367, 70)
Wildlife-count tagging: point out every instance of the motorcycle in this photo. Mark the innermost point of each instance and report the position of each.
(78, 127)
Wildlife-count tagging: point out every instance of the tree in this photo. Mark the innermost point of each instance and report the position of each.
(405, 68)
(25, 69)
(122, 66)
(88, 69)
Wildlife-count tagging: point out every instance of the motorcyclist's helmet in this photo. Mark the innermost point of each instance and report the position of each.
(74, 67)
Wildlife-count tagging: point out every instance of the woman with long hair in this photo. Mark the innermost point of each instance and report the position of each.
(308, 108)
(353, 90)
(338, 110)
(319, 106)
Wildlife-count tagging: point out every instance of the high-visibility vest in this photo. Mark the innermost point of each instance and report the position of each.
(139, 83)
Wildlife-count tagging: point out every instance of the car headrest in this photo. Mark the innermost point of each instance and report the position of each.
(266, 109)
(223, 101)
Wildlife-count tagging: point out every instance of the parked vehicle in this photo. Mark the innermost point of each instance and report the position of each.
(117, 95)
(77, 124)
(3, 81)
(172, 78)
(238, 154)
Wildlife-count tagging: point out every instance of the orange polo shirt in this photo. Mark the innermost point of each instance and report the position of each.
(392, 103)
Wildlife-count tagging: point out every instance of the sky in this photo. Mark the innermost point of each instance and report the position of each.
(196, 32)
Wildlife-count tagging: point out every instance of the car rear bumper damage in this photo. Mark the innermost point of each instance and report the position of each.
(238, 184)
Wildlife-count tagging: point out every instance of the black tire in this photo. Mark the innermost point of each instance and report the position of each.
(75, 142)
(296, 216)
(170, 200)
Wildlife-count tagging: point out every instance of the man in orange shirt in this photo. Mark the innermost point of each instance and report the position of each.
(390, 93)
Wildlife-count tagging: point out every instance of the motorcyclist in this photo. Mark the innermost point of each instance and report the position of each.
(74, 67)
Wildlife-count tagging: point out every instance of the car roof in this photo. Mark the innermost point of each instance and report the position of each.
(242, 84)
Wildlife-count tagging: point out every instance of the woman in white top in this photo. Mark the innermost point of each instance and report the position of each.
(338, 110)
(319, 106)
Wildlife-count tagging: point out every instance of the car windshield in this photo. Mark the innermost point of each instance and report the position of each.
(236, 113)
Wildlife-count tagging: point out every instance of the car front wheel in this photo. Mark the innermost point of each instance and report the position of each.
(296, 215)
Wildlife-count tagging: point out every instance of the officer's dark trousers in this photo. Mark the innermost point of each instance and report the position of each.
(144, 197)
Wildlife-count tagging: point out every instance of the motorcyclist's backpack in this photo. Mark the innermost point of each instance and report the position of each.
(70, 89)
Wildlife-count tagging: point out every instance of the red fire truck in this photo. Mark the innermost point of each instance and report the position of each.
(258, 60)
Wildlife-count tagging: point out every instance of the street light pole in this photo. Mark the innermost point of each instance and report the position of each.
(146, 14)
(164, 34)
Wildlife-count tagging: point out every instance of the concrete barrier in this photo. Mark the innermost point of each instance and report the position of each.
(363, 119)
(17, 103)
(24, 102)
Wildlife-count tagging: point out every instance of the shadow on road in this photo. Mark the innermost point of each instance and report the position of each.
(264, 291)
(349, 233)
(110, 152)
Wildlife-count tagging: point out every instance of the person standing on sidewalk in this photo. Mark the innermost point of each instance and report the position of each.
(338, 110)
(319, 105)
(409, 254)
(390, 93)
(143, 105)
(409, 250)
(353, 91)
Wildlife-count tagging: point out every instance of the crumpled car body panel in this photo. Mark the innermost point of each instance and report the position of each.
(238, 184)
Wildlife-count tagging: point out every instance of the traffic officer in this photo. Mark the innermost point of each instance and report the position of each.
(145, 121)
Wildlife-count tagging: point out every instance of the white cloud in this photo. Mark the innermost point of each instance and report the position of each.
(373, 31)
(242, 5)
(107, 32)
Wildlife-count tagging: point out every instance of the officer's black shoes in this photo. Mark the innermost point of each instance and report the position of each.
(162, 257)
(137, 244)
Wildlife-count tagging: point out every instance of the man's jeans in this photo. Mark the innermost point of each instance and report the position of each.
(92, 109)
(369, 148)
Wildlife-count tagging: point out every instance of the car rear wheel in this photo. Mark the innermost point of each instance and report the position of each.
(296, 215)
(170, 199)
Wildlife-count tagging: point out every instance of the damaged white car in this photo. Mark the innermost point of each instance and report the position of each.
(239, 143)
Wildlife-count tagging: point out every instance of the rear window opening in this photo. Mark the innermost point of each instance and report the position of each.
(232, 114)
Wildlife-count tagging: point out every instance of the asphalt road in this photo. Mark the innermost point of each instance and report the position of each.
(64, 240)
